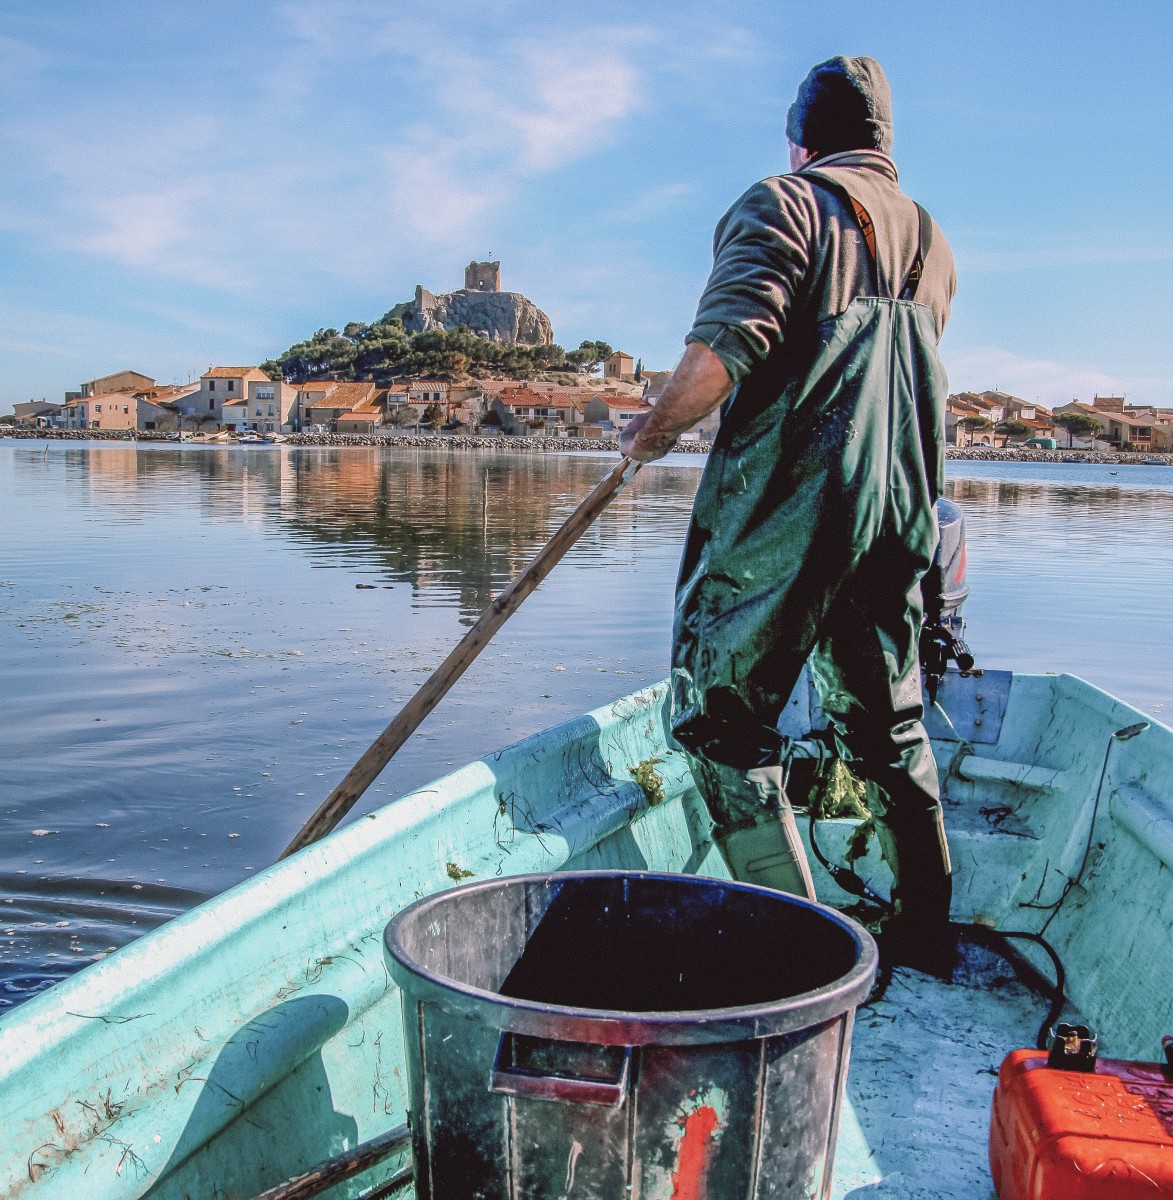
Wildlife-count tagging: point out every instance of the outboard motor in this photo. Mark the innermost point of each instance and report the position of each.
(944, 590)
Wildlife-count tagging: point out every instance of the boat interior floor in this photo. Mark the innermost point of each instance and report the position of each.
(924, 1059)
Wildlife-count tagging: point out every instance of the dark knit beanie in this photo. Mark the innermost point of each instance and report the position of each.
(843, 104)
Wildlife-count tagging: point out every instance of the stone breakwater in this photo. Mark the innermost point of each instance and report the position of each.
(549, 445)
(440, 441)
(1014, 454)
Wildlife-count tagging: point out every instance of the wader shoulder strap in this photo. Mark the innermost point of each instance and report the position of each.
(924, 240)
(868, 229)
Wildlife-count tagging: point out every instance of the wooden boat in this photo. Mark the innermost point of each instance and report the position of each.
(260, 1033)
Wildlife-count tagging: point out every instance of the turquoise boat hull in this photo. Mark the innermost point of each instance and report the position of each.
(260, 1033)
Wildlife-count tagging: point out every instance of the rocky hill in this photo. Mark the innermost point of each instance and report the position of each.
(499, 316)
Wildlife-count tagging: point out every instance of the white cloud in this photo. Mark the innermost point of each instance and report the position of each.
(228, 189)
(1049, 382)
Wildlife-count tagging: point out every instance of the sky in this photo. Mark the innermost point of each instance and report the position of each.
(206, 184)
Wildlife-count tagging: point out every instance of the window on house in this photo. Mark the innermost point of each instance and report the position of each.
(211, 385)
(230, 383)
(212, 405)
(270, 410)
(97, 408)
(125, 409)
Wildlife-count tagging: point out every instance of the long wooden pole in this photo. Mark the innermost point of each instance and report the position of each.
(364, 772)
(346, 1165)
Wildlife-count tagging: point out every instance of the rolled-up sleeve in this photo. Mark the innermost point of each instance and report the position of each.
(761, 251)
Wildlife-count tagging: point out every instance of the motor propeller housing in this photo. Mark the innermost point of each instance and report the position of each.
(944, 590)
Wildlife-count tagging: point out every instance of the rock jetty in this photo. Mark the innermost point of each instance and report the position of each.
(555, 445)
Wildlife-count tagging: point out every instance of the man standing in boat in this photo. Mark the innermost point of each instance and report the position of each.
(813, 522)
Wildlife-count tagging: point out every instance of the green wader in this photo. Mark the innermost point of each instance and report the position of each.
(812, 528)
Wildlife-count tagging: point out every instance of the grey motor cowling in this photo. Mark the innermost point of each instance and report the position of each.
(944, 591)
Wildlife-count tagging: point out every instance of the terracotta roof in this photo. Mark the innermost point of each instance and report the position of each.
(624, 402)
(360, 416)
(171, 391)
(109, 397)
(351, 393)
(1108, 415)
(227, 372)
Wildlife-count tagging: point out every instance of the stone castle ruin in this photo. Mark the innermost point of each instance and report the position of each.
(482, 277)
(482, 307)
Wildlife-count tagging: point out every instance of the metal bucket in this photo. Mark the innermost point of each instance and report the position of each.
(625, 1034)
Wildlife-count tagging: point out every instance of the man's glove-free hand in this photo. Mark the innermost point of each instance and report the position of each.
(644, 445)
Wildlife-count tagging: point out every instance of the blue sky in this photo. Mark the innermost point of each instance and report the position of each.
(187, 185)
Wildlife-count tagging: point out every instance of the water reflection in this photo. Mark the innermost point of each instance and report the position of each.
(456, 527)
(199, 642)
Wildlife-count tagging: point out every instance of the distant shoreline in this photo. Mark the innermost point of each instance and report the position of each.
(550, 445)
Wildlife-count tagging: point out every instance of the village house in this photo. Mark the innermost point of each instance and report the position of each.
(654, 383)
(1163, 430)
(971, 406)
(269, 406)
(308, 393)
(550, 411)
(367, 414)
(35, 414)
(612, 413)
(220, 386)
(162, 407)
(397, 411)
(364, 422)
(466, 405)
(619, 367)
(103, 410)
(1118, 428)
(324, 402)
(120, 381)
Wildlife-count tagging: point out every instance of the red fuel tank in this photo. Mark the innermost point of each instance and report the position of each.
(1099, 1134)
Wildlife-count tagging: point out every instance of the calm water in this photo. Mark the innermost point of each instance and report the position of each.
(190, 664)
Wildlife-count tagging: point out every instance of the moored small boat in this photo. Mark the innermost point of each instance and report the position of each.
(260, 1033)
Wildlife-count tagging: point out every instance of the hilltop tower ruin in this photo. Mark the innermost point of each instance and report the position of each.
(481, 306)
(482, 277)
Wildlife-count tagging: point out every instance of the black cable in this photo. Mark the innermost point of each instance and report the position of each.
(846, 878)
(989, 937)
(851, 883)
(986, 936)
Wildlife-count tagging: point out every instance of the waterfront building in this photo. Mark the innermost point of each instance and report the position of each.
(269, 406)
(325, 402)
(1117, 427)
(35, 414)
(102, 410)
(220, 386)
(613, 412)
(119, 381)
(528, 409)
